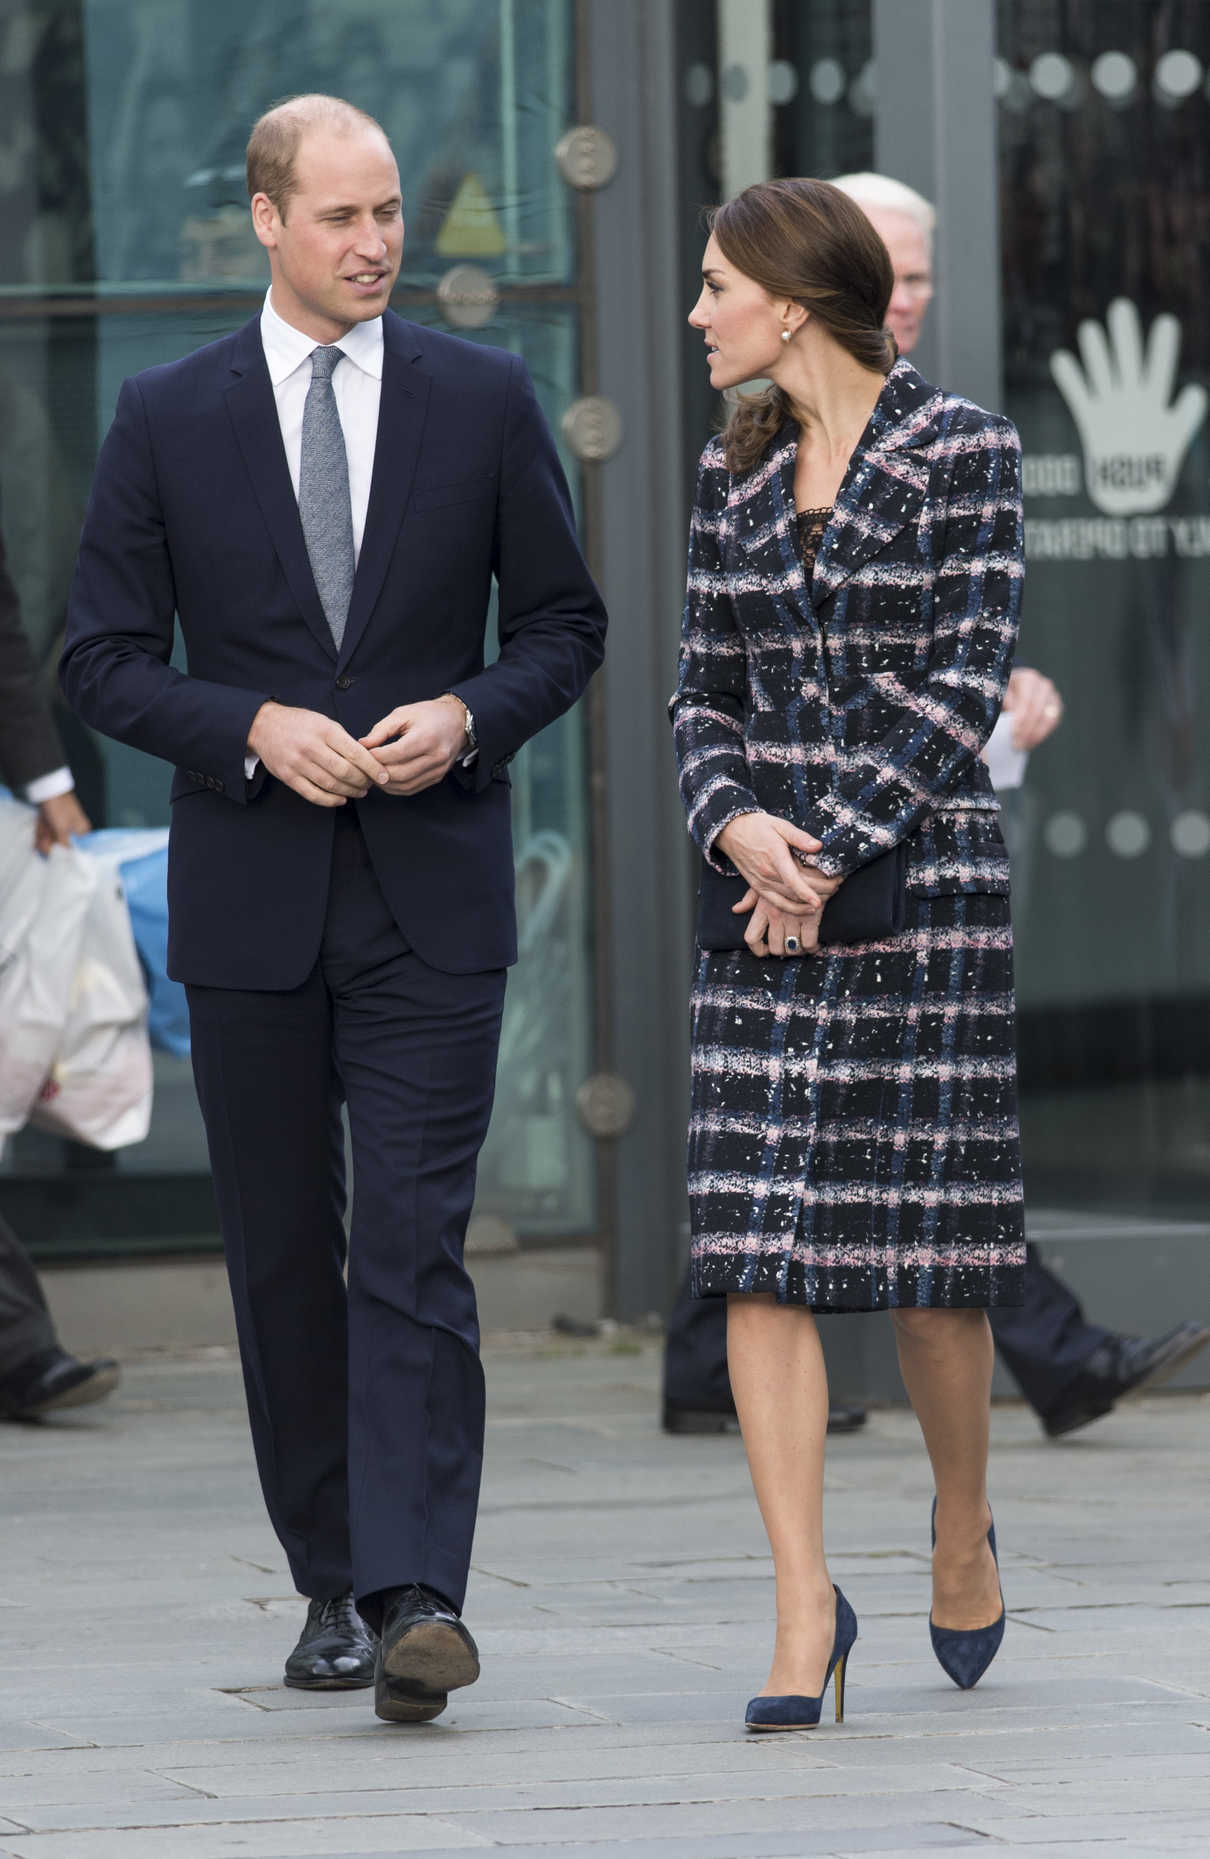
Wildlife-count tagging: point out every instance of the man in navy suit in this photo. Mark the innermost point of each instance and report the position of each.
(324, 499)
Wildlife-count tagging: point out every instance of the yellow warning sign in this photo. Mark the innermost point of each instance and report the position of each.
(470, 229)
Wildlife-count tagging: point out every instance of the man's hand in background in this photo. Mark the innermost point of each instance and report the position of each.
(1034, 706)
(59, 820)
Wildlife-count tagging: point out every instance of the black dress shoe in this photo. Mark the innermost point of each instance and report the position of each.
(1122, 1366)
(335, 1650)
(55, 1380)
(678, 1419)
(397, 1703)
(425, 1652)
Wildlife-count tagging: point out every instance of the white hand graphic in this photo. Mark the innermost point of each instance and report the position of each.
(1134, 442)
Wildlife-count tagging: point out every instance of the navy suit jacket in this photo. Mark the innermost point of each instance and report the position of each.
(193, 513)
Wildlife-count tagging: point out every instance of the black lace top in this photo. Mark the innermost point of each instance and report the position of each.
(811, 525)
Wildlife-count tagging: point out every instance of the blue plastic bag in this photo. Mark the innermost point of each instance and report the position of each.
(141, 859)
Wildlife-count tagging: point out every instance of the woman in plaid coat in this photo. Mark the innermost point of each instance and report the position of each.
(855, 574)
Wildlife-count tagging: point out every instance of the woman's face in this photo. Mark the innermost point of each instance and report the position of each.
(740, 321)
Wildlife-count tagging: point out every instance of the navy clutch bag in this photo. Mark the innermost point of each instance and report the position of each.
(870, 904)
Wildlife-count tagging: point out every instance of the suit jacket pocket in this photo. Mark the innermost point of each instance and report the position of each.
(460, 490)
(962, 850)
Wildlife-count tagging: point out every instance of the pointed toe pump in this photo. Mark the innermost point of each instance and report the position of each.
(797, 1713)
(964, 1654)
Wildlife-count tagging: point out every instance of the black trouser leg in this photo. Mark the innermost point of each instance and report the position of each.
(271, 1103)
(1047, 1341)
(416, 1052)
(695, 1354)
(26, 1329)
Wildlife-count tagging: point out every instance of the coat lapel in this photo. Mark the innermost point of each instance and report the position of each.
(766, 527)
(886, 482)
(401, 414)
(254, 415)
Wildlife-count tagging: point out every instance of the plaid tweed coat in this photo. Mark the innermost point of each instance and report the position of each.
(853, 1137)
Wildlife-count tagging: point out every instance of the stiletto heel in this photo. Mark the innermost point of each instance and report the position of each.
(840, 1672)
(964, 1654)
(799, 1713)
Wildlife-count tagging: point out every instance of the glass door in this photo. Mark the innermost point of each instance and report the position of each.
(1104, 134)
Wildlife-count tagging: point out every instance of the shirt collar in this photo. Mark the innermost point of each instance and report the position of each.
(287, 348)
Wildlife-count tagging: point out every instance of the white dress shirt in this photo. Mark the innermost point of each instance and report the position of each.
(356, 384)
(357, 387)
(49, 787)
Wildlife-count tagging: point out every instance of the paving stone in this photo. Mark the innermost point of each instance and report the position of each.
(622, 1596)
(318, 1840)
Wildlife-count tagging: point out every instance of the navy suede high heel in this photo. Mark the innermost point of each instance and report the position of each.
(964, 1653)
(796, 1713)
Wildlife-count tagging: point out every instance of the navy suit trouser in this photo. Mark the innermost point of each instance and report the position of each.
(1044, 1344)
(26, 1329)
(366, 1400)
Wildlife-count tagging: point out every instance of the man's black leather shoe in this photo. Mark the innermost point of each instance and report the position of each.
(1122, 1366)
(335, 1650)
(425, 1652)
(677, 1419)
(56, 1380)
(395, 1703)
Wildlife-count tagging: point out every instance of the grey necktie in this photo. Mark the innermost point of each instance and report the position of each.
(323, 494)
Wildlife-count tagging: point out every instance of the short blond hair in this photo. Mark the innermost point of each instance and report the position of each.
(879, 190)
(274, 143)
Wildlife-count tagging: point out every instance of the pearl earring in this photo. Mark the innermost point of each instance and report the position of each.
(785, 335)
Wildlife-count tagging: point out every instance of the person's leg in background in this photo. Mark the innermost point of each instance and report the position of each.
(1071, 1371)
(697, 1385)
(37, 1375)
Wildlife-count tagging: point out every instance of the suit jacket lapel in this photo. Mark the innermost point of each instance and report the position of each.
(885, 484)
(254, 415)
(401, 413)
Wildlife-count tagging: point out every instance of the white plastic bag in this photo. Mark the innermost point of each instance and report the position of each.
(43, 906)
(98, 1090)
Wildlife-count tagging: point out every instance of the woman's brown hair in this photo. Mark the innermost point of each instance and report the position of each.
(805, 240)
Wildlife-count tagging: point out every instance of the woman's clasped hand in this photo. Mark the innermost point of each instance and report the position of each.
(786, 894)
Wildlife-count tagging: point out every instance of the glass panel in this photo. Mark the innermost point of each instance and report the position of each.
(1105, 169)
(474, 99)
(124, 241)
(822, 84)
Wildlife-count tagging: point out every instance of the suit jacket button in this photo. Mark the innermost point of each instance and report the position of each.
(344, 684)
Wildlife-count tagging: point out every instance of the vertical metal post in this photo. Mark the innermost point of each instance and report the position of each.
(936, 130)
(745, 39)
(639, 505)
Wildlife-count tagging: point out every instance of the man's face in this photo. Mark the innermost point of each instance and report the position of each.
(912, 264)
(336, 254)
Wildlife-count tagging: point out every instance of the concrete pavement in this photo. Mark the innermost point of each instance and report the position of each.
(622, 1601)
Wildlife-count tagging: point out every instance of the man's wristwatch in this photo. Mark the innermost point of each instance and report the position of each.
(471, 744)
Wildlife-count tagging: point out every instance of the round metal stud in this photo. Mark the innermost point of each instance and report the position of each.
(468, 296)
(587, 157)
(592, 427)
(606, 1104)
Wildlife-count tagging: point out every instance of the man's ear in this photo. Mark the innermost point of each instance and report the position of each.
(265, 219)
